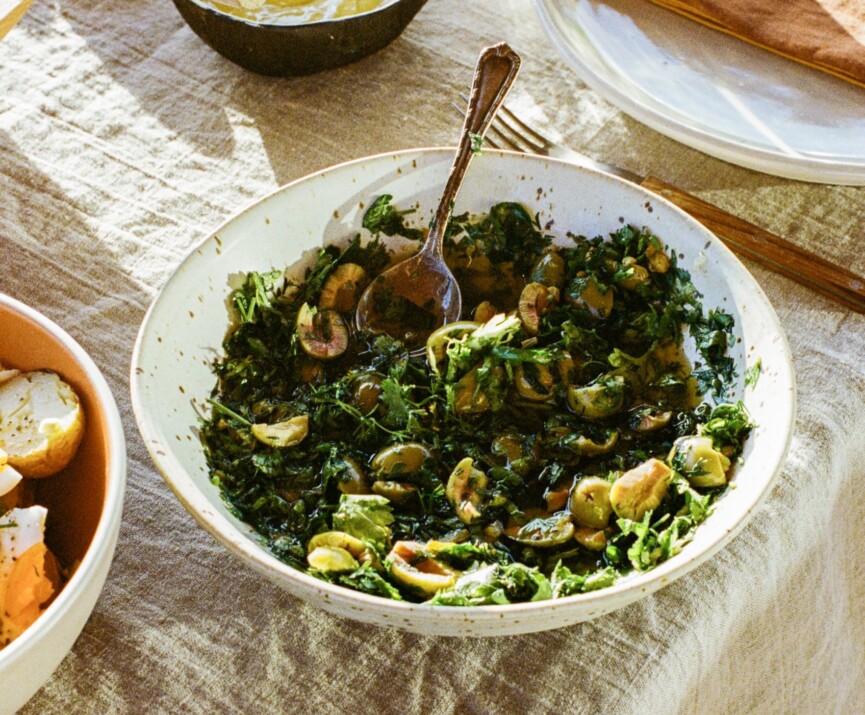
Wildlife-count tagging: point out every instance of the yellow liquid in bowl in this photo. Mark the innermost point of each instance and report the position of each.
(295, 12)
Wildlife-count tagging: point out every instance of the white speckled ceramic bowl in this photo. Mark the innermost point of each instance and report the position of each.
(184, 327)
(84, 501)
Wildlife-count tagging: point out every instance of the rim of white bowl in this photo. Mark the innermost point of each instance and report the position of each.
(258, 557)
(103, 541)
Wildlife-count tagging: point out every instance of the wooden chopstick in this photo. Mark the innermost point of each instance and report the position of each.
(769, 250)
(11, 11)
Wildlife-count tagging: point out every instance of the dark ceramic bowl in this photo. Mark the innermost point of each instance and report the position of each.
(286, 50)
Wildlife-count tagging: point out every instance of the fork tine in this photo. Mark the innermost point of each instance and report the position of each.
(502, 141)
(528, 145)
(503, 110)
(492, 142)
(508, 136)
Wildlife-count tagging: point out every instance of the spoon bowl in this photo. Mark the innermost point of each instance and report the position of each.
(420, 294)
(411, 299)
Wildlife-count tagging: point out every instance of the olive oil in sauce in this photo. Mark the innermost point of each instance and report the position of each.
(296, 12)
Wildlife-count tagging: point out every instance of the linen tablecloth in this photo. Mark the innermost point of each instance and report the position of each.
(124, 140)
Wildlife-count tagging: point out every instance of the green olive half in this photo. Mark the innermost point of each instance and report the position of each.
(323, 334)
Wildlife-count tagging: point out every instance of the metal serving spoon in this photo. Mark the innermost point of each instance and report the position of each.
(411, 299)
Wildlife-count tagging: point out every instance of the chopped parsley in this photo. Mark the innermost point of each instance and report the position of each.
(464, 480)
(752, 374)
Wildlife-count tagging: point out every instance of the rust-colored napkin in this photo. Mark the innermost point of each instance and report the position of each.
(826, 34)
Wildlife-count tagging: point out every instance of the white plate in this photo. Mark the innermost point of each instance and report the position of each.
(713, 92)
(183, 330)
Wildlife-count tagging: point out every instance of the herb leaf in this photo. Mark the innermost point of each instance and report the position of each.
(383, 217)
(494, 584)
(752, 374)
(366, 517)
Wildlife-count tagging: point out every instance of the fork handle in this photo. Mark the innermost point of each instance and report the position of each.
(769, 250)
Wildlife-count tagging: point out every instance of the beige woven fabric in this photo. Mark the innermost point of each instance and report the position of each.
(124, 140)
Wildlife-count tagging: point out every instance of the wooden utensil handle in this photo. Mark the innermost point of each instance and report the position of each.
(767, 249)
(11, 11)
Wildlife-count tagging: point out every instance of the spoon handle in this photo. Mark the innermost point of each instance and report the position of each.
(495, 73)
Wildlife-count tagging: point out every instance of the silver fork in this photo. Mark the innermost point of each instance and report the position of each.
(511, 132)
(749, 241)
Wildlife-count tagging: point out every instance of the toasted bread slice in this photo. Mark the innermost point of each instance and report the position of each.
(41, 423)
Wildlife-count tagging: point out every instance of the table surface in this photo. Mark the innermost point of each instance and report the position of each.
(124, 140)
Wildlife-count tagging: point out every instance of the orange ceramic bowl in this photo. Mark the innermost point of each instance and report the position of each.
(84, 501)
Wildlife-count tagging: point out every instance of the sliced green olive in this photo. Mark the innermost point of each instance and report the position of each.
(338, 539)
(535, 301)
(584, 292)
(556, 498)
(365, 391)
(637, 275)
(698, 460)
(602, 398)
(534, 382)
(343, 287)
(640, 489)
(353, 546)
(289, 433)
(417, 571)
(437, 342)
(590, 502)
(518, 457)
(649, 421)
(492, 532)
(549, 269)
(589, 447)
(397, 492)
(464, 488)
(658, 260)
(567, 367)
(401, 458)
(352, 480)
(331, 559)
(323, 334)
(484, 312)
(509, 445)
(468, 399)
(312, 371)
(545, 533)
(592, 539)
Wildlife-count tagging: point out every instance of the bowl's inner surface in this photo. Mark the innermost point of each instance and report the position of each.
(74, 497)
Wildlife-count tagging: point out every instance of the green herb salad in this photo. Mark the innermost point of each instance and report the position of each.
(552, 441)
